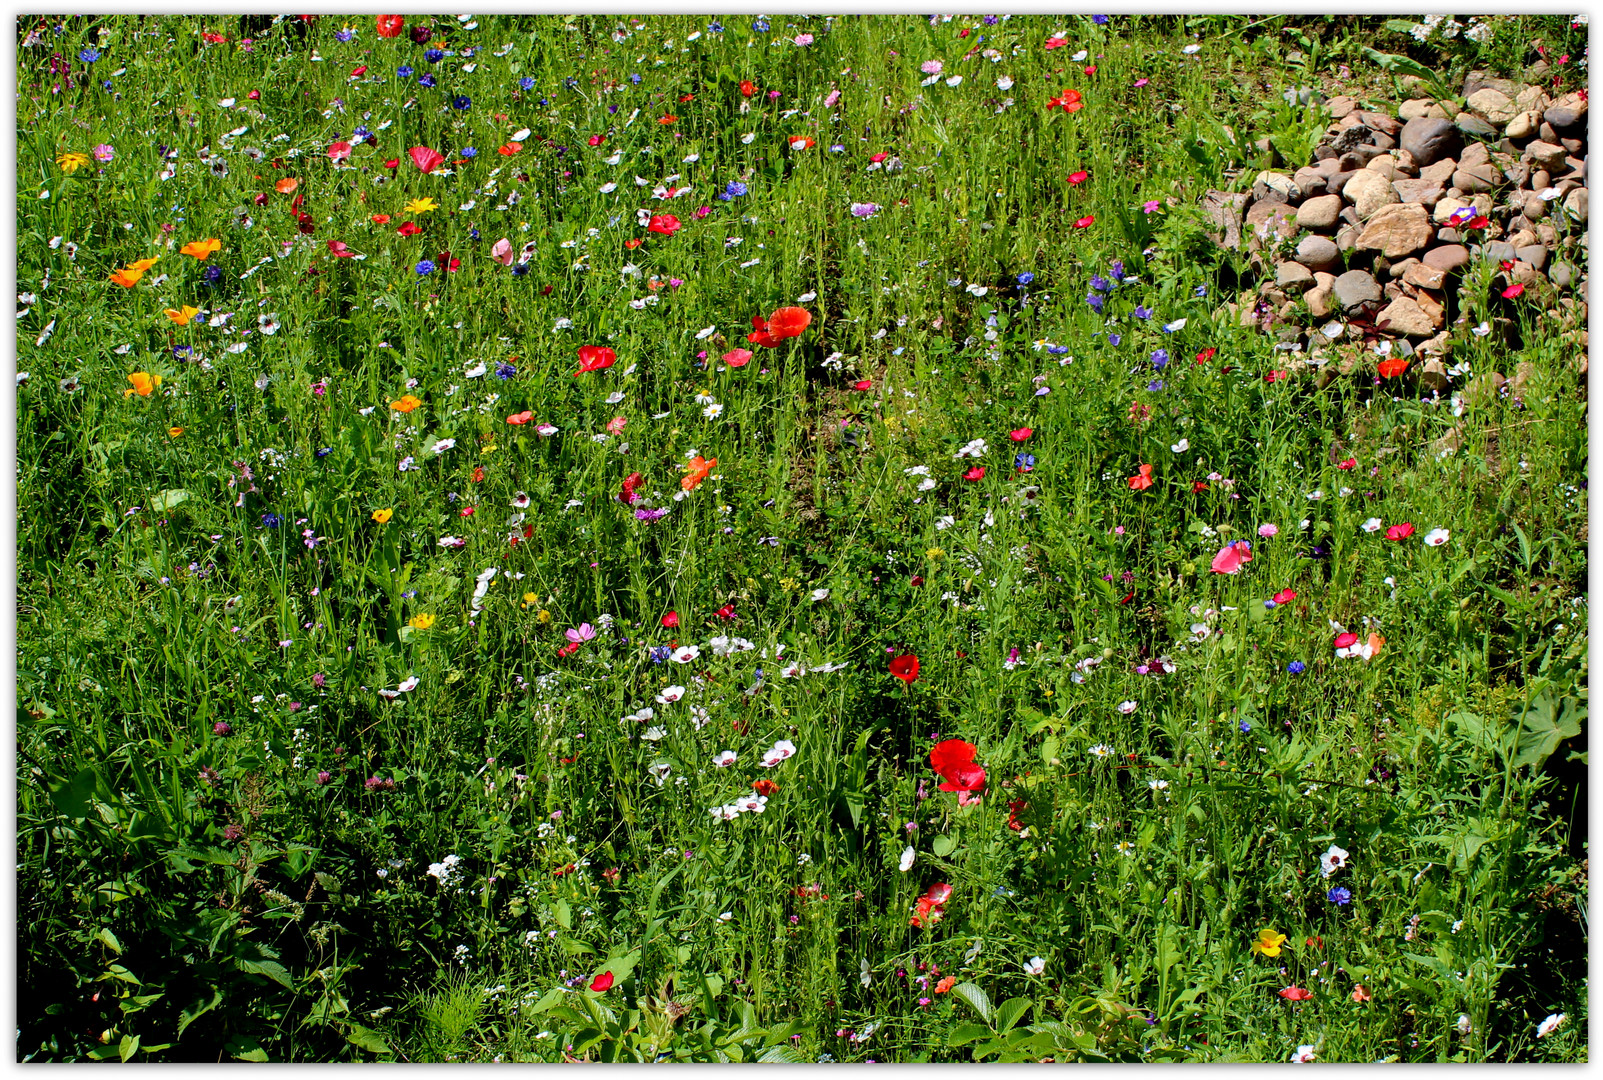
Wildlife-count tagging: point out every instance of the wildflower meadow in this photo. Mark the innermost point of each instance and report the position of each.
(801, 539)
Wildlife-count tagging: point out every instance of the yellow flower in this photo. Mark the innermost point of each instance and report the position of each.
(406, 404)
(422, 622)
(543, 616)
(529, 599)
(141, 265)
(174, 432)
(1268, 943)
(383, 516)
(934, 554)
(71, 161)
(421, 206)
(182, 315)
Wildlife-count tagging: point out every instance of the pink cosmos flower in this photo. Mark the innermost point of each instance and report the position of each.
(615, 425)
(1150, 206)
(1140, 83)
(1268, 529)
(803, 39)
(1230, 559)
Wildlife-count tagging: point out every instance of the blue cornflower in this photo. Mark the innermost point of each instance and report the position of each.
(612, 110)
(526, 83)
(361, 134)
(106, 85)
(1244, 726)
(425, 80)
(271, 520)
(520, 270)
(1100, 20)
(425, 267)
(474, 233)
(838, 148)
(1155, 385)
(1296, 667)
(462, 101)
(1160, 358)
(434, 56)
(990, 20)
(660, 653)
(505, 370)
(324, 451)
(1100, 283)
(1057, 350)
(1201, 291)
(403, 72)
(1024, 462)
(715, 27)
(1142, 312)
(733, 190)
(1025, 278)
(213, 274)
(760, 25)
(89, 56)
(1114, 339)
(1096, 302)
(1117, 270)
(344, 35)
(468, 152)
(1269, 605)
(635, 79)
(409, 594)
(181, 352)
(1339, 896)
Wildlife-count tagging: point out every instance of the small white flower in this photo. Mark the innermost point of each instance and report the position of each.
(1549, 1025)
(1192, 50)
(409, 684)
(660, 772)
(443, 445)
(713, 411)
(654, 734)
(1181, 447)
(1304, 1055)
(820, 594)
(1034, 966)
(1101, 750)
(1331, 861)
(1127, 707)
(1372, 525)
(1124, 847)
(670, 694)
(684, 654)
(908, 858)
(724, 758)
(1464, 1026)
(1436, 538)
(1005, 83)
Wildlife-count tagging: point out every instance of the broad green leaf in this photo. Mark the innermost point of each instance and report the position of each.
(943, 846)
(976, 997)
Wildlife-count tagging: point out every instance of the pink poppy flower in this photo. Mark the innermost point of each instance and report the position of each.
(1345, 641)
(615, 425)
(1231, 558)
(738, 357)
(502, 252)
(1285, 596)
(1400, 532)
(1021, 434)
(338, 152)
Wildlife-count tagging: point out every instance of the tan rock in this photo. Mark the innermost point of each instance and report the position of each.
(1490, 105)
(1404, 317)
(1524, 125)
(1424, 276)
(1396, 230)
(1433, 305)
(1369, 191)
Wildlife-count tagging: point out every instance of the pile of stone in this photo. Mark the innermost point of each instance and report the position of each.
(1371, 229)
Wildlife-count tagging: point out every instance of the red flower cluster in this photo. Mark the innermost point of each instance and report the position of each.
(931, 907)
(629, 498)
(1069, 101)
(954, 760)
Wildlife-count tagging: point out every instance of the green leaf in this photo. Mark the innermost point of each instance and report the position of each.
(1011, 1011)
(198, 1008)
(1547, 722)
(75, 797)
(244, 1048)
(943, 846)
(976, 997)
(967, 1033)
(782, 1054)
(128, 1047)
(367, 1039)
(168, 499)
(270, 968)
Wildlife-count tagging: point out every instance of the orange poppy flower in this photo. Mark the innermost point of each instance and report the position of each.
(510, 148)
(1392, 368)
(174, 432)
(747, 88)
(696, 471)
(126, 278)
(141, 265)
(632, 243)
(286, 185)
(406, 404)
(183, 315)
(144, 383)
(946, 984)
(200, 249)
(667, 119)
(381, 219)
(1142, 480)
(520, 418)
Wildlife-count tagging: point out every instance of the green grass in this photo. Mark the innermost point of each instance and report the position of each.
(232, 846)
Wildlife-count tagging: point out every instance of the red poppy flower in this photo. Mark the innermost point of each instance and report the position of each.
(905, 667)
(1069, 101)
(520, 418)
(747, 88)
(1079, 177)
(1350, 463)
(916, 580)
(357, 73)
(666, 224)
(686, 97)
(426, 159)
(597, 140)
(787, 322)
(950, 753)
(338, 152)
(1142, 479)
(879, 157)
(632, 243)
(671, 619)
(510, 148)
(1479, 221)
(1276, 376)
(1206, 354)
(306, 223)
(726, 612)
(1198, 487)
(628, 497)
(1021, 434)
(603, 982)
(1285, 596)
(381, 219)
(1091, 70)
(338, 249)
(765, 787)
(1345, 641)
(1390, 369)
(409, 229)
(393, 163)
(390, 26)
(976, 473)
(1014, 809)
(478, 474)
(932, 905)
(1085, 222)
(738, 357)
(1400, 532)
(1056, 43)
(863, 384)
(1295, 993)
(667, 119)
(595, 358)
(1513, 292)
